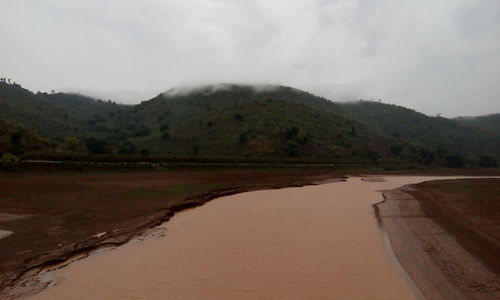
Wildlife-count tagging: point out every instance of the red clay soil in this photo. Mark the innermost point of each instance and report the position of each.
(446, 235)
(56, 216)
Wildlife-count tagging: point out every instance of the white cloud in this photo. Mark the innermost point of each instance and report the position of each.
(434, 56)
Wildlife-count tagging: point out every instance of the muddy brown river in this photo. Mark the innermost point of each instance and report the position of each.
(313, 242)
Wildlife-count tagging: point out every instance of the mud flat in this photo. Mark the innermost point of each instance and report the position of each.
(313, 242)
(446, 235)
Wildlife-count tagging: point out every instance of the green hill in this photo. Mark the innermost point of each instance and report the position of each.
(21, 106)
(15, 139)
(56, 116)
(82, 107)
(243, 121)
(249, 121)
(490, 123)
(439, 133)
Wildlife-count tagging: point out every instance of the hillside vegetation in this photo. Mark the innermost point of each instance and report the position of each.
(242, 121)
(56, 116)
(490, 123)
(15, 139)
(247, 122)
(441, 134)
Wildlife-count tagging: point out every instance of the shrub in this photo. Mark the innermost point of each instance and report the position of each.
(96, 146)
(396, 149)
(165, 136)
(292, 148)
(454, 161)
(487, 161)
(9, 162)
(164, 127)
(71, 144)
(238, 117)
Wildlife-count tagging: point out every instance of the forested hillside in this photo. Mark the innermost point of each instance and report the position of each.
(246, 121)
(243, 121)
(440, 133)
(15, 139)
(57, 115)
(490, 123)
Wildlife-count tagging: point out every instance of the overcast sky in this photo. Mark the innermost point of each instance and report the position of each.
(435, 56)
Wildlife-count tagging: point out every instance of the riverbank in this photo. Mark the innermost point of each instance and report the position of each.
(56, 216)
(311, 242)
(446, 235)
(109, 209)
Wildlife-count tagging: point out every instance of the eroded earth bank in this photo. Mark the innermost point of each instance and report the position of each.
(446, 234)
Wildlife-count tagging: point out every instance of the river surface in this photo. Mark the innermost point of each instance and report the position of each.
(312, 242)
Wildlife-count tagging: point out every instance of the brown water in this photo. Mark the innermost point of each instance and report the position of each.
(314, 242)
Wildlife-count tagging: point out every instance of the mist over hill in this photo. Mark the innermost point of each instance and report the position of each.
(490, 123)
(236, 120)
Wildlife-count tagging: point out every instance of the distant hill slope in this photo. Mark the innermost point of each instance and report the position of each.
(15, 138)
(249, 121)
(55, 116)
(236, 120)
(21, 106)
(438, 132)
(83, 107)
(489, 123)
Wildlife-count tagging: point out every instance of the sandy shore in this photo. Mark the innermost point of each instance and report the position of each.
(433, 253)
(315, 242)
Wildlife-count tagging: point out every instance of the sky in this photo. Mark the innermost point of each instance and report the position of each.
(435, 56)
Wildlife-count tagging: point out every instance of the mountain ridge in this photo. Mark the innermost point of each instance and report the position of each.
(242, 120)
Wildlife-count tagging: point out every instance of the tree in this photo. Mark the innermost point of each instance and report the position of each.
(426, 156)
(238, 117)
(71, 143)
(196, 149)
(353, 131)
(164, 127)
(396, 149)
(126, 148)
(454, 161)
(9, 162)
(96, 146)
(144, 152)
(291, 132)
(165, 136)
(142, 131)
(487, 161)
(292, 148)
(243, 138)
(16, 138)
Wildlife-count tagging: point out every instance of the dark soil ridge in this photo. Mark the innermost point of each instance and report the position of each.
(26, 281)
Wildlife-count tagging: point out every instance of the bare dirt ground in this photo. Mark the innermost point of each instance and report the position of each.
(54, 217)
(446, 235)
